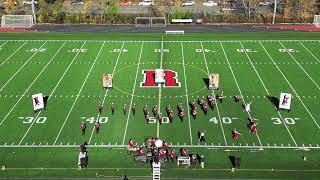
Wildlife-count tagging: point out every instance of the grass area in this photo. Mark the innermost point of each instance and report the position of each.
(45, 144)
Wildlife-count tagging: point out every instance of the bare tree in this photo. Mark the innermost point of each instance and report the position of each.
(88, 8)
(307, 10)
(250, 6)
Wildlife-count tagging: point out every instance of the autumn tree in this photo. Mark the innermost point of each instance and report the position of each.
(307, 10)
(9, 6)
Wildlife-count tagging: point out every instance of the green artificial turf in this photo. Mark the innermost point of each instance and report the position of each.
(45, 144)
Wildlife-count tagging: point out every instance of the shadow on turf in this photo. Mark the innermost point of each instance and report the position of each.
(45, 100)
(235, 161)
(274, 100)
(206, 81)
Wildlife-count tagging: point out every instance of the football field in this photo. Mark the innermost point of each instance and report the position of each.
(69, 74)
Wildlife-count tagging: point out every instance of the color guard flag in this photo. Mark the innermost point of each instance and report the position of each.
(285, 101)
(159, 76)
(38, 103)
(107, 80)
(213, 81)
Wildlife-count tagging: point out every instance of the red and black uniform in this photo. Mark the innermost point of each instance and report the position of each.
(171, 154)
(212, 101)
(100, 108)
(97, 127)
(171, 116)
(235, 135)
(168, 109)
(205, 109)
(180, 108)
(201, 101)
(83, 128)
(153, 142)
(113, 107)
(237, 98)
(160, 118)
(145, 110)
(133, 109)
(155, 110)
(165, 145)
(132, 143)
(147, 118)
(253, 128)
(181, 115)
(220, 97)
(194, 113)
(162, 153)
(124, 109)
(141, 151)
(184, 152)
(193, 104)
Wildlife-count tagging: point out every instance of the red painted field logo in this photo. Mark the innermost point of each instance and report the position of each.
(171, 79)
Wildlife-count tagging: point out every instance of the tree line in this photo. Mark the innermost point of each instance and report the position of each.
(108, 11)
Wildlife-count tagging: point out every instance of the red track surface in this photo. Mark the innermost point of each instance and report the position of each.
(18, 30)
(294, 28)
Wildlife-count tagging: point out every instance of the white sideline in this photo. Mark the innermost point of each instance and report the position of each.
(132, 95)
(220, 122)
(187, 96)
(54, 89)
(224, 52)
(264, 86)
(106, 93)
(230, 148)
(21, 67)
(153, 41)
(4, 43)
(290, 85)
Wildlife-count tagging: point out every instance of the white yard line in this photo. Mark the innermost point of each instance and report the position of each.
(3, 120)
(300, 66)
(13, 53)
(290, 85)
(33, 83)
(234, 77)
(213, 93)
(187, 96)
(106, 93)
(132, 95)
(309, 51)
(21, 67)
(54, 89)
(263, 84)
(4, 43)
(77, 96)
(159, 104)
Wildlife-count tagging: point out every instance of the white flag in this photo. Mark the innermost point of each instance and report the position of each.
(285, 101)
(107, 80)
(37, 100)
(159, 76)
(213, 81)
